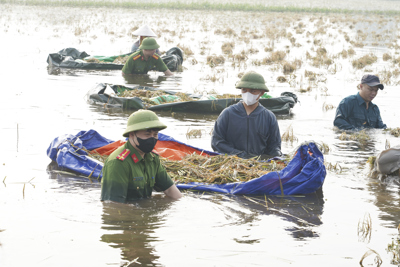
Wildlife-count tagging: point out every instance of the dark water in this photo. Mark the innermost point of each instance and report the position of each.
(49, 218)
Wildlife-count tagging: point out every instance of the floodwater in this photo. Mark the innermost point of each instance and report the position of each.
(49, 218)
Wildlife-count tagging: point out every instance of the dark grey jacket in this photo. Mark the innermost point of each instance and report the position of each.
(236, 133)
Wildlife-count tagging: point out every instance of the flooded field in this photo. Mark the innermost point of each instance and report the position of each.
(48, 218)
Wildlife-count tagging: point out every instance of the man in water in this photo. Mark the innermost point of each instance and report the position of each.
(143, 32)
(145, 60)
(357, 111)
(247, 129)
(132, 171)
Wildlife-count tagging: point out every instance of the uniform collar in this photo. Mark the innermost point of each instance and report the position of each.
(147, 156)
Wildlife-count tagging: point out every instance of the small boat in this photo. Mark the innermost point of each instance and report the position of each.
(110, 96)
(304, 174)
(72, 58)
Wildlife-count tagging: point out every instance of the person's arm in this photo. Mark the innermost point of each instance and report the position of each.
(173, 192)
(218, 140)
(274, 141)
(380, 123)
(168, 73)
(341, 117)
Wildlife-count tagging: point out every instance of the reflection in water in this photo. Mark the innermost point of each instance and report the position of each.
(387, 194)
(130, 228)
(140, 79)
(56, 71)
(303, 211)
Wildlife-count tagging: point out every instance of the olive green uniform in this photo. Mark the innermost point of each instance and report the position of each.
(127, 176)
(136, 64)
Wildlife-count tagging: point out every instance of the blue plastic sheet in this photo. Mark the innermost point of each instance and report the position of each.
(304, 174)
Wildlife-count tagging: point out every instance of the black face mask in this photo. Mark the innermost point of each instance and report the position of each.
(146, 145)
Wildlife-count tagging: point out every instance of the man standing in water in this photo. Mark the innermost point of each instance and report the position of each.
(357, 111)
(132, 171)
(145, 60)
(247, 129)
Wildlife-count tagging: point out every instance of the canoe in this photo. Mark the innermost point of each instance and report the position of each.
(304, 174)
(107, 94)
(72, 58)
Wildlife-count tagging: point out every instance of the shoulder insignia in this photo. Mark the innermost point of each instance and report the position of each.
(135, 159)
(123, 154)
(136, 57)
(155, 56)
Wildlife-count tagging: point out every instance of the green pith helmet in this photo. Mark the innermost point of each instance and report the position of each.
(252, 80)
(149, 44)
(143, 120)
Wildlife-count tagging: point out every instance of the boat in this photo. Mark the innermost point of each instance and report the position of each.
(109, 95)
(72, 58)
(304, 174)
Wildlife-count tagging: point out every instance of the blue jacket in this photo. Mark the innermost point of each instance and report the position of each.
(236, 133)
(352, 114)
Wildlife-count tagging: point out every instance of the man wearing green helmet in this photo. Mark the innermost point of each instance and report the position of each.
(132, 171)
(145, 60)
(247, 129)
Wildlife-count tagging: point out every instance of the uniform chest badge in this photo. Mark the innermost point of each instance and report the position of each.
(123, 154)
(135, 159)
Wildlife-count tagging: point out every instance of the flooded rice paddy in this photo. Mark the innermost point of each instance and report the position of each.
(49, 218)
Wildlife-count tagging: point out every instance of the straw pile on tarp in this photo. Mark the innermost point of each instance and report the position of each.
(213, 170)
(218, 169)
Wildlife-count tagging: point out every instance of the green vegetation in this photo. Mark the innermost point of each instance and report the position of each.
(197, 6)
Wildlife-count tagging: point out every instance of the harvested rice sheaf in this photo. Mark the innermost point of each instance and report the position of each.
(218, 169)
(214, 170)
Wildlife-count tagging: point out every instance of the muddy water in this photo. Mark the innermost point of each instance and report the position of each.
(55, 219)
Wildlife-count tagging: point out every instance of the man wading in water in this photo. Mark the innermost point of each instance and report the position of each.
(247, 129)
(132, 171)
(357, 111)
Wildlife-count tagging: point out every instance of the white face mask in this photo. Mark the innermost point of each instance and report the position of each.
(249, 98)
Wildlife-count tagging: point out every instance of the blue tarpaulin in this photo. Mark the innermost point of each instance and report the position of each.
(304, 174)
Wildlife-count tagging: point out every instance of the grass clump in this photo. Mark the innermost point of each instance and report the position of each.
(186, 50)
(327, 106)
(364, 61)
(214, 60)
(365, 228)
(386, 57)
(227, 48)
(394, 249)
(288, 135)
(393, 131)
(360, 136)
(281, 79)
(194, 133)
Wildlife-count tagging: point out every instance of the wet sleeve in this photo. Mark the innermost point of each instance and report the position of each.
(218, 140)
(162, 180)
(115, 181)
(274, 141)
(342, 116)
(161, 65)
(128, 67)
(380, 125)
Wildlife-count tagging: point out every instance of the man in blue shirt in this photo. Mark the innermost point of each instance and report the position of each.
(357, 111)
(247, 129)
